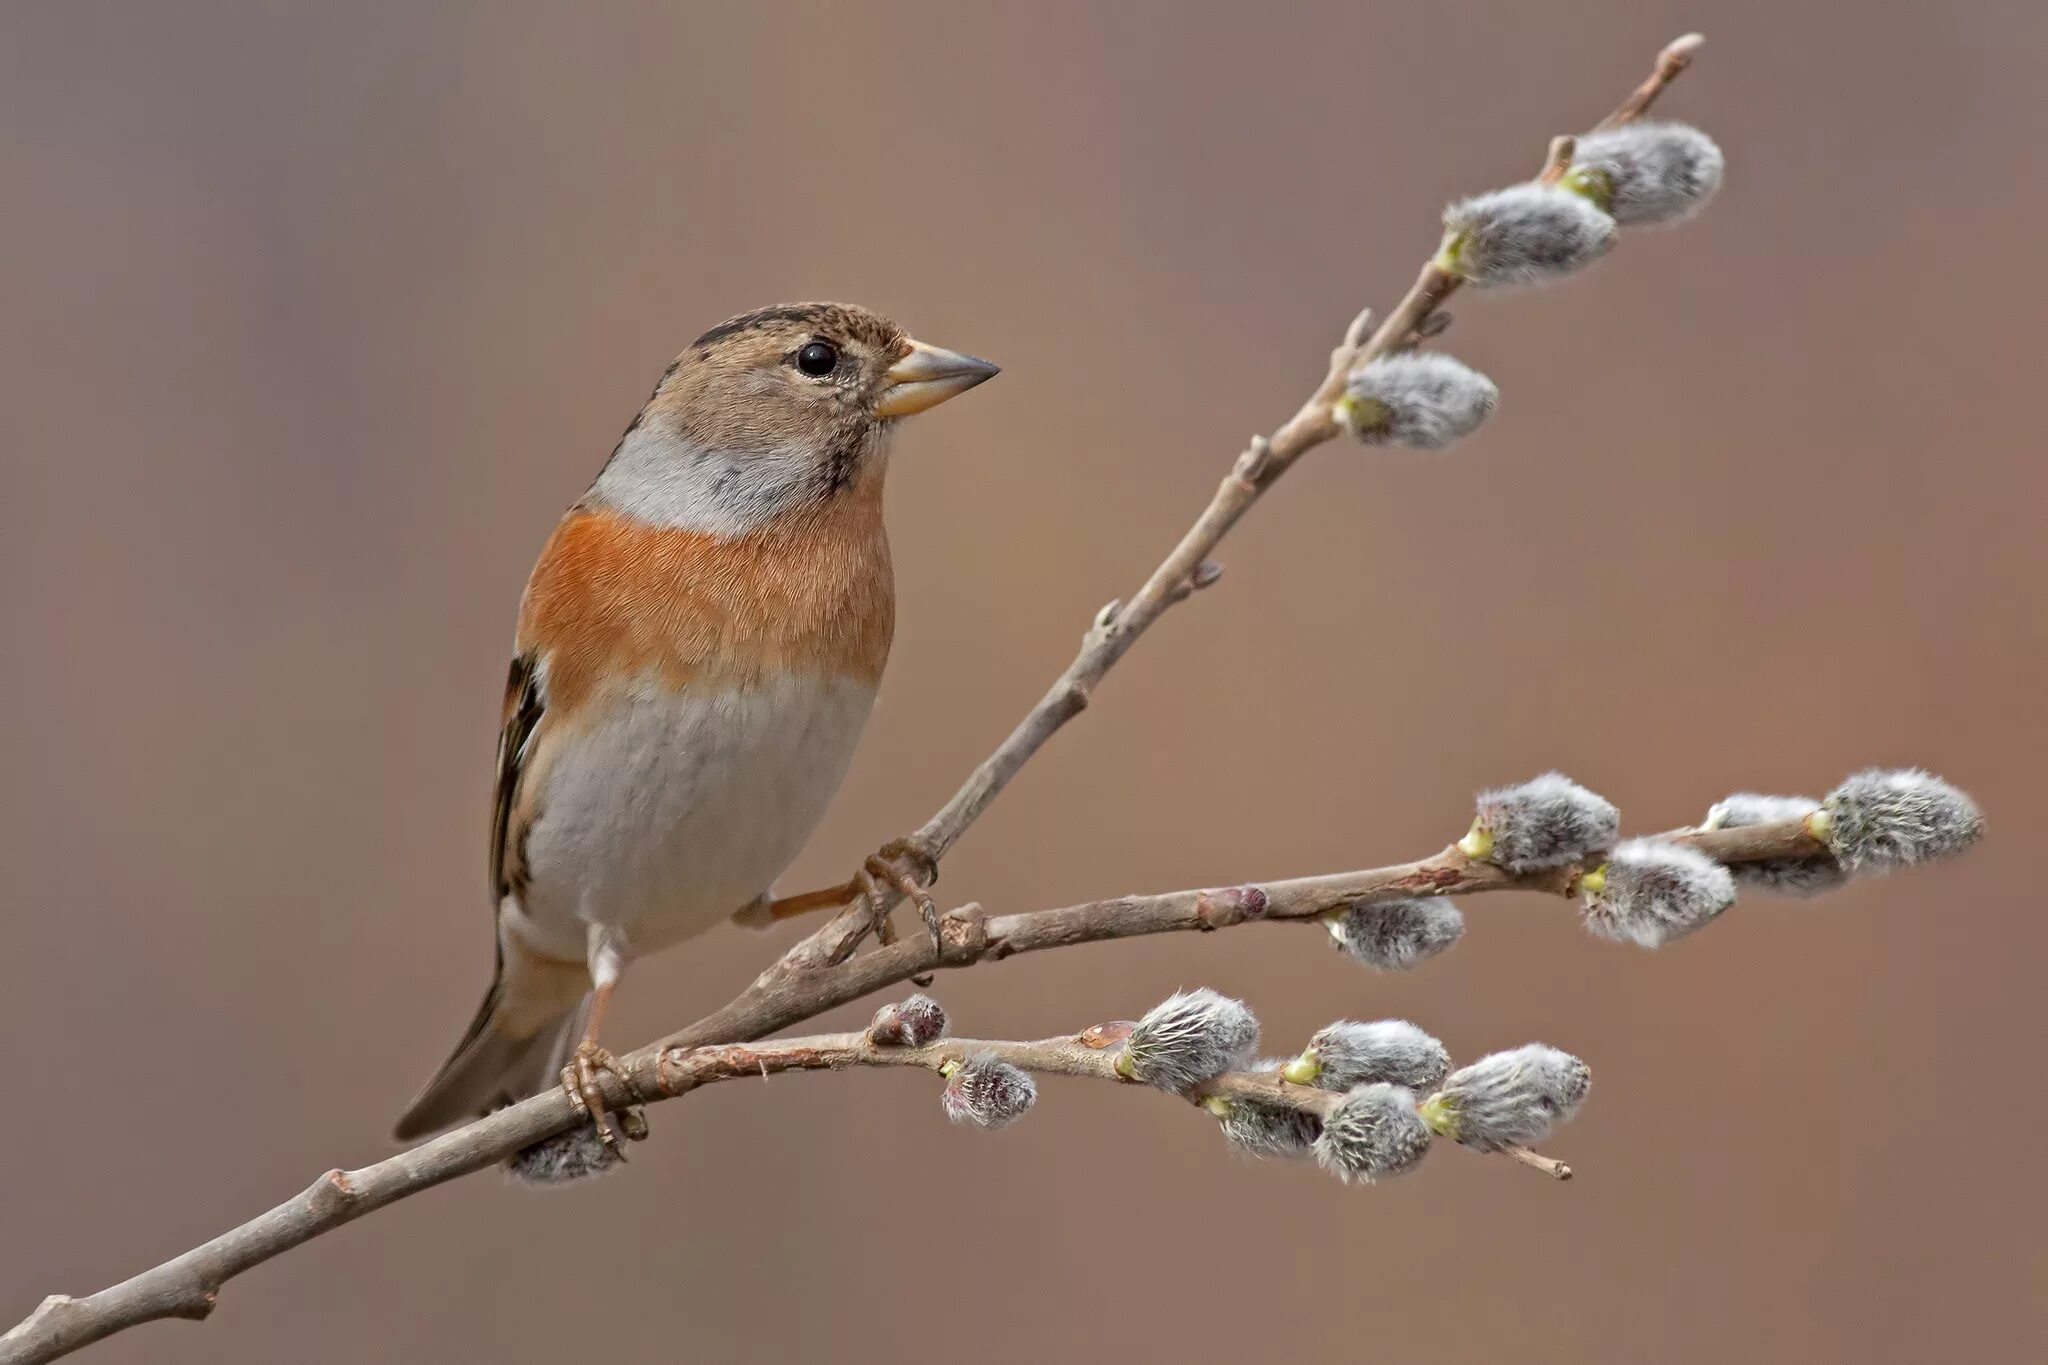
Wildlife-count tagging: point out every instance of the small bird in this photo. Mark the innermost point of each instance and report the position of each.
(697, 652)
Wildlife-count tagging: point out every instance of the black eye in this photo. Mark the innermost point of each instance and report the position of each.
(818, 359)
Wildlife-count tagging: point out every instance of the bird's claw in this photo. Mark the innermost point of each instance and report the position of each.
(586, 1092)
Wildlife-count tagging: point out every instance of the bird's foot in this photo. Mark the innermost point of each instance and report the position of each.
(586, 1092)
(909, 867)
(906, 866)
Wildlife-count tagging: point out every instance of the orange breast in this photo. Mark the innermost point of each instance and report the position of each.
(810, 592)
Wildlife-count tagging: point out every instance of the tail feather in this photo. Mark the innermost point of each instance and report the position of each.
(511, 1050)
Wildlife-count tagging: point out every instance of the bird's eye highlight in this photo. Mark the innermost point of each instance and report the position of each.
(818, 359)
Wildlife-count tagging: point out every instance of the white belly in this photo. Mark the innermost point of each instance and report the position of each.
(680, 808)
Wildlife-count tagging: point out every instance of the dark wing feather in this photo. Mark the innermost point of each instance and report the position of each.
(524, 705)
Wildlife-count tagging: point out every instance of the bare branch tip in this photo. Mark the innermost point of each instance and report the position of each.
(1536, 1161)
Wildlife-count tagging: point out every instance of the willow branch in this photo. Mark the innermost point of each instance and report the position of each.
(188, 1285)
(1256, 470)
(678, 1070)
(795, 991)
(818, 973)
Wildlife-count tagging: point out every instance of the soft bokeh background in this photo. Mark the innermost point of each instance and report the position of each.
(314, 321)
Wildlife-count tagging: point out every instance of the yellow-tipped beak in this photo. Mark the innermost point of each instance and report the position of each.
(926, 377)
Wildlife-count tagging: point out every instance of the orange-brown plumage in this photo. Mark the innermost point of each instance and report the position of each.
(810, 592)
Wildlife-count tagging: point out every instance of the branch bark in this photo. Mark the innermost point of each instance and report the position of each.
(819, 973)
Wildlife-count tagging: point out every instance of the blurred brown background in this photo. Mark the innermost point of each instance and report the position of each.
(313, 322)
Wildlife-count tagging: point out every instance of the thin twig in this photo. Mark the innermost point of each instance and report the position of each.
(677, 1071)
(1671, 62)
(1549, 1165)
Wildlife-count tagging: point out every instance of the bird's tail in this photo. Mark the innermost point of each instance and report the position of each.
(521, 1038)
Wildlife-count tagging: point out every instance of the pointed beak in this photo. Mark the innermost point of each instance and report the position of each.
(926, 377)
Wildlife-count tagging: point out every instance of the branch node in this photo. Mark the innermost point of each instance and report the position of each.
(963, 933)
(1251, 466)
(1432, 325)
(330, 1194)
(1232, 905)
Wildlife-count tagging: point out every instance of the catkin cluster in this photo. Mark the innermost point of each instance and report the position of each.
(1631, 176)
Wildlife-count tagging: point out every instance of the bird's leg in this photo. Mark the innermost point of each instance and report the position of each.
(825, 898)
(580, 1077)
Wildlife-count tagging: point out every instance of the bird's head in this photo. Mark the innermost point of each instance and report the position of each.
(773, 409)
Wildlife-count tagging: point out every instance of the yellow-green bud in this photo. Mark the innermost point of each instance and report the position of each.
(1592, 183)
(1450, 252)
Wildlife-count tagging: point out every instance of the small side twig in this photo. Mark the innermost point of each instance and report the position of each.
(1536, 1161)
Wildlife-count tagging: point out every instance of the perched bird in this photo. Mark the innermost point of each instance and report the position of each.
(697, 652)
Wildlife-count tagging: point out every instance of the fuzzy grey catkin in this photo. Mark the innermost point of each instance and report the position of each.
(1418, 399)
(1264, 1130)
(1548, 821)
(1267, 1130)
(1785, 876)
(573, 1155)
(1525, 234)
(1644, 173)
(1392, 936)
(1509, 1097)
(1650, 892)
(987, 1092)
(916, 1022)
(1886, 818)
(1373, 1134)
(1190, 1037)
(1348, 1054)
